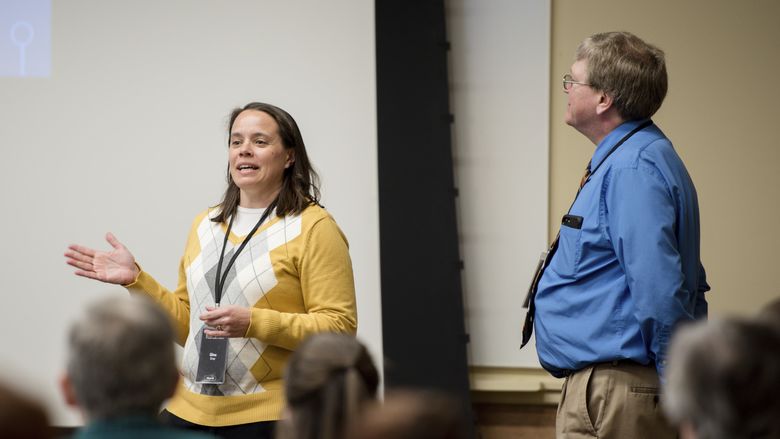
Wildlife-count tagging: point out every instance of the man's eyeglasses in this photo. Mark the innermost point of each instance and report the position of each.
(568, 82)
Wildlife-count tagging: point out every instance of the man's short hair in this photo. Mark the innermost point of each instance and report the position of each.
(630, 71)
(723, 378)
(121, 358)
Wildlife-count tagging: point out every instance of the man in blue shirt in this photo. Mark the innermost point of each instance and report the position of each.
(625, 269)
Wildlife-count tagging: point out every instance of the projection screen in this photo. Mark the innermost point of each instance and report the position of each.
(114, 119)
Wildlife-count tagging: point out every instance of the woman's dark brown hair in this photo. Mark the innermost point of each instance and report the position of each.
(299, 181)
(329, 379)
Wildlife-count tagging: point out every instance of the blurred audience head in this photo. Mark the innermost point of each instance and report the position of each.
(723, 380)
(120, 359)
(328, 380)
(770, 314)
(411, 414)
(21, 417)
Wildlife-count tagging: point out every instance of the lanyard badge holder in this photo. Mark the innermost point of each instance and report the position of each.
(212, 361)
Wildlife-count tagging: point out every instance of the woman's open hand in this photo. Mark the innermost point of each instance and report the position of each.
(114, 267)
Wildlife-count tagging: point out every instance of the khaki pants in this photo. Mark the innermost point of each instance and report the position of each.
(612, 400)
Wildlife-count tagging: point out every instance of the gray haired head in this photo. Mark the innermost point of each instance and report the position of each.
(121, 358)
(628, 69)
(723, 379)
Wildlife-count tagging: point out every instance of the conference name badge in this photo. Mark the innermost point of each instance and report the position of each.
(212, 360)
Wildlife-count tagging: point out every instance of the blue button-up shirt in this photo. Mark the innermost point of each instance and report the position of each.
(616, 287)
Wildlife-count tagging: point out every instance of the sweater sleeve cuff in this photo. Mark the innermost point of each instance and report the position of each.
(135, 281)
(264, 325)
(144, 284)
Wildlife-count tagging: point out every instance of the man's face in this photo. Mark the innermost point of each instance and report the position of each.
(582, 99)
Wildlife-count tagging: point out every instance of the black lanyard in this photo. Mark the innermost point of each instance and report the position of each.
(641, 126)
(219, 282)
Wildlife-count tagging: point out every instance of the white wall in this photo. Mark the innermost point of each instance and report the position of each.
(499, 67)
(127, 134)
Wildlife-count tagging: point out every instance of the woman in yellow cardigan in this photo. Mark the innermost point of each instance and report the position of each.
(261, 271)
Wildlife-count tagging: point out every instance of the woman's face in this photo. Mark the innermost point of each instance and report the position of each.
(257, 157)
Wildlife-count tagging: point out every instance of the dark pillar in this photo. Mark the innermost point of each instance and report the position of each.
(423, 327)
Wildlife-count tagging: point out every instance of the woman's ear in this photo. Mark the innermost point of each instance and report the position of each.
(290, 159)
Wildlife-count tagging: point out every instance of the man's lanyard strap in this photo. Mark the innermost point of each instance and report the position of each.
(639, 128)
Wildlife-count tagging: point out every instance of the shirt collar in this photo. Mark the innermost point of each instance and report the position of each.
(611, 139)
(123, 422)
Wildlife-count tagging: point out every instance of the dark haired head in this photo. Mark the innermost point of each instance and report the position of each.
(328, 380)
(299, 181)
(412, 414)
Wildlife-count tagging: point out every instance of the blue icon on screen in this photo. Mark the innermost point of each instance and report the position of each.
(25, 38)
(22, 34)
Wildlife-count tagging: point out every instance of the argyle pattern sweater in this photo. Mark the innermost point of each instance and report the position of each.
(295, 275)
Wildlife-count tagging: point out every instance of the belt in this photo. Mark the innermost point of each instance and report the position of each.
(613, 363)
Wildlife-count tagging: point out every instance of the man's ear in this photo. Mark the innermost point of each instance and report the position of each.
(67, 390)
(605, 103)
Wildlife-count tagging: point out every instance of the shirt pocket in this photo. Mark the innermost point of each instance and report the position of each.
(567, 257)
